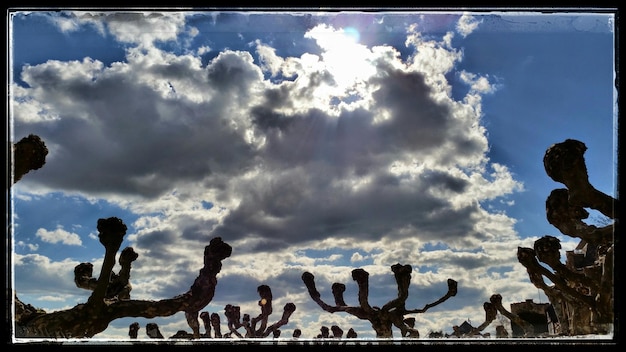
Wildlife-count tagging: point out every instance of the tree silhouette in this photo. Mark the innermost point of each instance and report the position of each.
(28, 154)
(582, 289)
(133, 330)
(110, 298)
(233, 315)
(493, 307)
(212, 320)
(381, 319)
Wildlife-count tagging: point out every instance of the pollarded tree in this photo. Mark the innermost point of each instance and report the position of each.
(491, 309)
(383, 318)
(212, 320)
(582, 288)
(28, 154)
(110, 297)
(233, 316)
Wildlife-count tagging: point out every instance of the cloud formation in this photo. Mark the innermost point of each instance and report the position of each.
(348, 148)
(59, 235)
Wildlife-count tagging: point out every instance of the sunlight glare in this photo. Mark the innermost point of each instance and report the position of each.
(344, 56)
(352, 34)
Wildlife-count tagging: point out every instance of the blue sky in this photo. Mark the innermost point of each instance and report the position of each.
(309, 141)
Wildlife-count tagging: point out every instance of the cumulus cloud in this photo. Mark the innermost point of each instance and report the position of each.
(59, 235)
(295, 175)
(30, 246)
(44, 273)
(467, 24)
(145, 28)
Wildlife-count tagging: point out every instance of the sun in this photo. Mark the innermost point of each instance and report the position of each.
(343, 55)
(352, 34)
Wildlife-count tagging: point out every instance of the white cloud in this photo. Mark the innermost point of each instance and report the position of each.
(31, 246)
(467, 24)
(269, 60)
(145, 28)
(44, 274)
(356, 257)
(59, 235)
(478, 84)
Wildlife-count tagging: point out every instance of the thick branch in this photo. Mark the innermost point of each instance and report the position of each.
(287, 312)
(407, 327)
(605, 293)
(526, 256)
(127, 257)
(565, 163)
(402, 274)
(309, 282)
(215, 323)
(86, 320)
(547, 250)
(206, 321)
(568, 219)
(496, 300)
(29, 154)
(233, 317)
(362, 279)
(490, 316)
(338, 290)
(266, 309)
(83, 276)
(111, 234)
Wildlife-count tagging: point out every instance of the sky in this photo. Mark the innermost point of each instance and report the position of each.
(308, 141)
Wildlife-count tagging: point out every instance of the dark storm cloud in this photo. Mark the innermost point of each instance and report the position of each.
(447, 181)
(291, 208)
(310, 159)
(134, 140)
(230, 71)
(158, 243)
(418, 121)
(266, 118)
(197, 230)
(343, 143)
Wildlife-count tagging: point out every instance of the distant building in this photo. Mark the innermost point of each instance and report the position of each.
(540, 315)
(462, 330)
(584, 255)
(465, 328)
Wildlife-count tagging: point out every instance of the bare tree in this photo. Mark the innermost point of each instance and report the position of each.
(233, 315)
(381, 319)
(110, 297)
(153, 331)
(133, 330)
(582, 289)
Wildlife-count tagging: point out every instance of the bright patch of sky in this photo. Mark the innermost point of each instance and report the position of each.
(318, 142)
